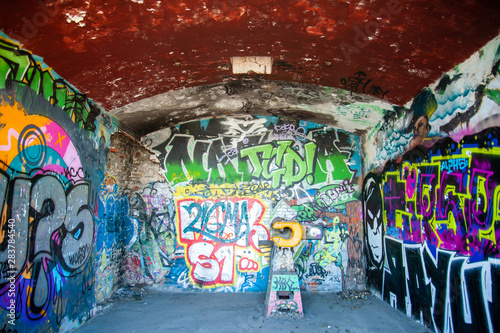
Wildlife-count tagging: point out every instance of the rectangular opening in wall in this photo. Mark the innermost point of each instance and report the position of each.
(252, 64)
(284, 294)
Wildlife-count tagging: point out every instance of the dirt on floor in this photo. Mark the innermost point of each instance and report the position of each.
(149, 310)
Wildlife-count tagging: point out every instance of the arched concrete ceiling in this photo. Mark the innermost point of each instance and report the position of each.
(122, 51)
(355, 113)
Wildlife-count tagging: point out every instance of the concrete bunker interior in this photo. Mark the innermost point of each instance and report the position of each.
(131, 155)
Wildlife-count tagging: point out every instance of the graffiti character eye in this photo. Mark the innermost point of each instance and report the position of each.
(48, 207)
(370, 214)
(78, 231)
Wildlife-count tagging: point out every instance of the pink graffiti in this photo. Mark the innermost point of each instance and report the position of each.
(411, 181)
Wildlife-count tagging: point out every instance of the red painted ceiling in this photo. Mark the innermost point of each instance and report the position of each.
(121, 51)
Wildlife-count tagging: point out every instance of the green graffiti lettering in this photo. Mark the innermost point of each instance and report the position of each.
(185, 161)
(280, 162)
(305, 212)
(330, 162)
(13, 65)
(36, 76)
(337, 194)
(48, 87)
(330, 165)
(20, 67)
(281, 150)
(224, 168)
(295, 168)
(188, 159)
(253, 155)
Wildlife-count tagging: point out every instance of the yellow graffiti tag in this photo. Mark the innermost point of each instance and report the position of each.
(294, 239)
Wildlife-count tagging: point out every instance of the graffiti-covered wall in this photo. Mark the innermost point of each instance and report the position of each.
(432, 214)
(231, 177)
(52, 159)
(464, 101)
(136, 220)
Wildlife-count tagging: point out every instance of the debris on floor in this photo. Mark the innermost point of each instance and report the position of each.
(127, 293)
(354, 294)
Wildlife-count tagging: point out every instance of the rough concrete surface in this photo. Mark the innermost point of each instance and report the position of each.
(350, 111)
(157, 311)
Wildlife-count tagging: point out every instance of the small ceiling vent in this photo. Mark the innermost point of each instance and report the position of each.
(259, 65)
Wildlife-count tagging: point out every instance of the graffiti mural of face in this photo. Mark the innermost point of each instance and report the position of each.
(374, 229)
(420, 131)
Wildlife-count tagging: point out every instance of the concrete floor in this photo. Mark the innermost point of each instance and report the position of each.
(244, 312)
